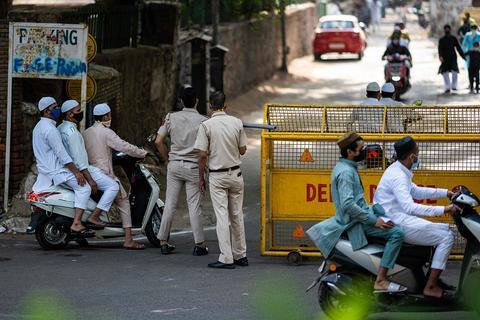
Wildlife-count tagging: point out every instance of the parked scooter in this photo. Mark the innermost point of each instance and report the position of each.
(397, 73)
(341, 274)
(53, 209)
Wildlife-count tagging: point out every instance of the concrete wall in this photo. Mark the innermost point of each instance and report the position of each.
(255, 46)
(148, 78)
(444, 12)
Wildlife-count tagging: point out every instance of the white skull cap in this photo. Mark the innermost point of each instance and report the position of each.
(101, 109)
(69, 105)
(45, 102)
(388, 88)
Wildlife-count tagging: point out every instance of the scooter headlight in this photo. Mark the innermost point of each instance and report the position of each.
(396, 78)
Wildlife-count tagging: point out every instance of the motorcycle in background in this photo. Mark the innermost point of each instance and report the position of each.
(397, 72)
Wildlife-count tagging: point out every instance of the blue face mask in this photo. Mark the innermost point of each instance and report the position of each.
(416, 163)
(55, 113)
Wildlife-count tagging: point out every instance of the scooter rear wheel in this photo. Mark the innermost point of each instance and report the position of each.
(51, 236)
(153, 226)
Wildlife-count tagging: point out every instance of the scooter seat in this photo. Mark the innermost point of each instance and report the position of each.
(410, 250)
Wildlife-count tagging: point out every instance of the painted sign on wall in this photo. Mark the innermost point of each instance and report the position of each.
(42, 50)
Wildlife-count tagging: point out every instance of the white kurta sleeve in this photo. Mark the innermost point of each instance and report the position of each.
(55, 142)
(421, 193)
(405, 200)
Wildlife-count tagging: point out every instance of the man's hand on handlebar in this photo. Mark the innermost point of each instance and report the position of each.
(451, 209)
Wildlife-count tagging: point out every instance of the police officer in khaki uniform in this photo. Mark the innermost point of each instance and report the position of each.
(221, 140)
(182, 127)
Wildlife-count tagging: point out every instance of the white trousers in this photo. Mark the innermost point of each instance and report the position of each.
(109, 187)
(82, 194)
(226, 191)
(422, 232)
(446, 80)
(180, 173)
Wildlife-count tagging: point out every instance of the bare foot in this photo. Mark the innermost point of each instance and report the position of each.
(433, 291)
(77, 227)
(381, 284)
(133, 245)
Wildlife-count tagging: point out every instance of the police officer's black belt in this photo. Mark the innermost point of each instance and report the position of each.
(185, 160)
(226, 169)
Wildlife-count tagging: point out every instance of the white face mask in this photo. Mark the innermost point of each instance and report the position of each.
(107, 123)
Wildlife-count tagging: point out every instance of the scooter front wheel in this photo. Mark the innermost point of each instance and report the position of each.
(153, 226)
(353, 300)
(50, 235)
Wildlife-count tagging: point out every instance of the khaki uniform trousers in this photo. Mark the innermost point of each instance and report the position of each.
(226, 191)
(181, 173)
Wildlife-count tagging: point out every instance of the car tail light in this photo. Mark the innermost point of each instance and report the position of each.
(40, 197)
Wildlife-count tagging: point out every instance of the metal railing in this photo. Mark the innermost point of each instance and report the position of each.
(112, 27)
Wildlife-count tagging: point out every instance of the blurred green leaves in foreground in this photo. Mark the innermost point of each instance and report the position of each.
(46, 306)
(280, 299)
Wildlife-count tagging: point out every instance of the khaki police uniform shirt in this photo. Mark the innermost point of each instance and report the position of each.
(182, 127)
(221, 136)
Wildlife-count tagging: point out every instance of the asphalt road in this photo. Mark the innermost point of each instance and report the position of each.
(106, 282)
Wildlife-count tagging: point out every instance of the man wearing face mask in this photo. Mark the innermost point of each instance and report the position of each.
(396, 193)
(394, 49)
(448, 57)
(54, 164)
(75, 146)
(355, 216)
(100, 142)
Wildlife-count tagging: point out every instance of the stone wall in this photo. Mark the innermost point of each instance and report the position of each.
(148, 78)
(255, 46)
(444, 12)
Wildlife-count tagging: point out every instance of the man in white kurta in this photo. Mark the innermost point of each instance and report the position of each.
(396, 193)
(54, 165)
(74, 144)
(368, 118)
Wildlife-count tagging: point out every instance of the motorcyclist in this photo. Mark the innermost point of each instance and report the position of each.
(395, 50)
(397, 34)
(404, 32)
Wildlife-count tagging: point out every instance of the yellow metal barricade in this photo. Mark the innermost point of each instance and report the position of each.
(298, 157)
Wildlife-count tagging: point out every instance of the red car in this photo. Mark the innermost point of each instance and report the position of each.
(339, 34)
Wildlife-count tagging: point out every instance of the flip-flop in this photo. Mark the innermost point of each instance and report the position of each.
(84, 233)
(445, 297)
(392, 288)
(98, 224)
(136, 246)
(94, 226)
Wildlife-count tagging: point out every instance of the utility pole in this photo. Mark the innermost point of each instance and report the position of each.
(215, 21)
(284, 66)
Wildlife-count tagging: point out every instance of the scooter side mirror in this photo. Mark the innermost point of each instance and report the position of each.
(152, 137)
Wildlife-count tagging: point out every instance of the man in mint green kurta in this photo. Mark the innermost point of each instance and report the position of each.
(355, 216)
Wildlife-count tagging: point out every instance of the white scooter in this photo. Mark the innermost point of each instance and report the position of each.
(53, 209)
(348, 275)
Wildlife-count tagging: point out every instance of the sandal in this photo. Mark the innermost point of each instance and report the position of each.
(84, 233)
(392, 288)
(97, 223)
